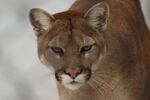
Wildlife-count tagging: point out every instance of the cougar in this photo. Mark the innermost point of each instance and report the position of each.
(97, 49)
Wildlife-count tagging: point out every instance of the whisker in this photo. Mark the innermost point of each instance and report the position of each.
(98, 83)
(99, 87)
(101, 80)
(106, 77)
(92, 84)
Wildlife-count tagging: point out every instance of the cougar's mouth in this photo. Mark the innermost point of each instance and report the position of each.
(71, 81)
(74, 82)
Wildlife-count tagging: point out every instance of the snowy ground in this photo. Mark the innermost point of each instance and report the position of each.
(22, 77)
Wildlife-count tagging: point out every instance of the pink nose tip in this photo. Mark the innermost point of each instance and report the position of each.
(73, 72)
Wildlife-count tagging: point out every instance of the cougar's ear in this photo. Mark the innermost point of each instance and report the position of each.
(97, 16)
(41, 21)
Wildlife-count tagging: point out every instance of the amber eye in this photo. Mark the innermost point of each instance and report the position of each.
(57, 50)
(86, 48)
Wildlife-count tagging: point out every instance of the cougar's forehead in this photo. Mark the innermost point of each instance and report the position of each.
(61, 40)
(82, 32)
(74, 29)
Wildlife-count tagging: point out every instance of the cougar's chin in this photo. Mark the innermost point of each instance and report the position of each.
(73, 85)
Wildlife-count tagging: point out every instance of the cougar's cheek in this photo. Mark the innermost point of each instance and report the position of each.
(81, 78)
(66, 79)
(46, 63)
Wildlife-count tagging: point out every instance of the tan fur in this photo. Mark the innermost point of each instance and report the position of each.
(120, 57)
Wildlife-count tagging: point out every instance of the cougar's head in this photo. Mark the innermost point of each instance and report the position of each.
(69, 43)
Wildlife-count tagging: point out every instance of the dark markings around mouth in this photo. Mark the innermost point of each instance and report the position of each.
(58, 78)
(74, 82)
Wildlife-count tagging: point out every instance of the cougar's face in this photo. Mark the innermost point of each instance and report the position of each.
(70, 49)
(69, 43)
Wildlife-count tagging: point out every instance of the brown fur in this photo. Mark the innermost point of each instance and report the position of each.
(121, 58)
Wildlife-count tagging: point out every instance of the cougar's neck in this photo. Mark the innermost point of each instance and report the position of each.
(84, 93)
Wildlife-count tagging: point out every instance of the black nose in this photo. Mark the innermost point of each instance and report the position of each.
(73, 72)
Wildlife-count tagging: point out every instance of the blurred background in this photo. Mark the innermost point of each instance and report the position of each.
(22, 76)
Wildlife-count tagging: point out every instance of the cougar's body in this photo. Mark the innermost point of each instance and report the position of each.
(116, 67)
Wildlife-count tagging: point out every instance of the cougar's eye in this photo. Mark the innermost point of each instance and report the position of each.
(86, 48)
(57, 50)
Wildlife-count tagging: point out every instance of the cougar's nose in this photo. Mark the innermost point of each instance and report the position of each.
(73, 72)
